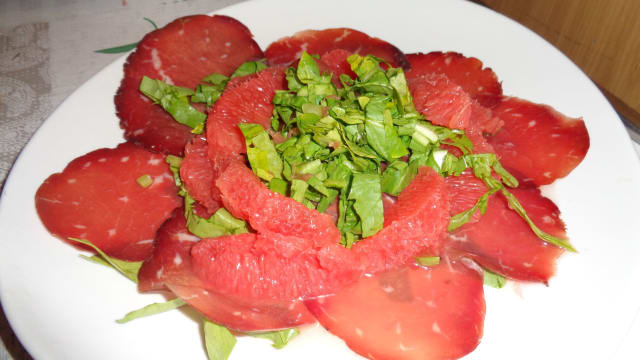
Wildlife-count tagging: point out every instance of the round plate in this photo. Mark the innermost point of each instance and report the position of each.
(63, 307)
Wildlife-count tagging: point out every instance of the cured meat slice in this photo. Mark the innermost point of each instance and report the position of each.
(268, 212)
(171, 258)
(501, 240)
(288, 49)
(537, 141)
(408, 313)
(97, 197)
(445, 103)
(412, 224)
(337, 64)
(181, 53)
(171, 267)
(197, 173)
(480, 83)
(246, 102)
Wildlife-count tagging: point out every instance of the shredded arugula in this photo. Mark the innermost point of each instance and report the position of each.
(152, 309)
(355, 143)
(279, 339)
(218, 340)
(127, 268)
(127, 47)
(493, 279)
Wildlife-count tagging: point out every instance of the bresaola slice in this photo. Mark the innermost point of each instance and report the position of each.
(170, 267)
(181, 53)
(537, 141)
(501, 240)
(468, 72)
(288, 49)
(97, 197)
(411, 313)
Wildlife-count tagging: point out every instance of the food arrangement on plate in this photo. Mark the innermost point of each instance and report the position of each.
(330, 178)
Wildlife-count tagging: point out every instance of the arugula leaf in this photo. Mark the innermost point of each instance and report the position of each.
(265, 161)
(493, 279)
(127, 268)
(152, 309)
(174, 100)
(428, 260)
(367, 193)
(249, 67)
(515, 205)
(127, 47)
(218, 340)
(145, 180)
(278, 338)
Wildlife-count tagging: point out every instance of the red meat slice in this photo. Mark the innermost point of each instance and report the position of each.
(171, 258)
(197, 173)
(413, 223)
(335, 62)
(97, 198)
(288, 49)
(480, 83)
(246, 102)
(181, 53)
(171, 266)
(537, 141)
(445, 103)
(501, 240)
(408, 313)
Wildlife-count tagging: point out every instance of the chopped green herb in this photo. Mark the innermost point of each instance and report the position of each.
(279, 339)
(174, 100)
(127, 268)
(493, 279)
(218, 340)
(428, 260)
(127, 47)
(145, 180)
(152, 309)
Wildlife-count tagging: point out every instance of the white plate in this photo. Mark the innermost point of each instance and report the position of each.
(63, 307)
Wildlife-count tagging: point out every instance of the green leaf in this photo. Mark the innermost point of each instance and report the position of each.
(145, 180)
(174, 100)
(152, 309)
(494, 280)
(127, 268)
(279, 338)
(118, 49)
(263, 157)
(367, 193)
(218, 340)
(249, 67)
(462, 218)
(428, 260)
(515, 205)
(127, 47)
